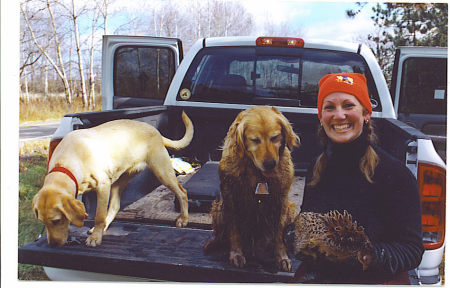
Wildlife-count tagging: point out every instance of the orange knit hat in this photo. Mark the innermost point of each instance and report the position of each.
(351, 83)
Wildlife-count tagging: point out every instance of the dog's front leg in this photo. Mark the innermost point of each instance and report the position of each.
(116, 192)
(95, 238)
(281, 257)
(237, 257)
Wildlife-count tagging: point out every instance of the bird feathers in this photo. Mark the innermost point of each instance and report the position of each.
(333, 236)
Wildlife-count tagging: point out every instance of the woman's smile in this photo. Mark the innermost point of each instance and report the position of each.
(342, 127)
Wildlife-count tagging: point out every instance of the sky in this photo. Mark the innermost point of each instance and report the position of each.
(312, 19)
(315, 19)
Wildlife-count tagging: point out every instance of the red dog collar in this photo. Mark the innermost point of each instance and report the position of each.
(68, 173)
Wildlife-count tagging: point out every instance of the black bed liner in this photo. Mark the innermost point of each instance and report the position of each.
(150, 251)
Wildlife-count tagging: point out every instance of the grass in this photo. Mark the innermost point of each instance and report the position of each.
(31, 176)
(51, 108)
(40, 146)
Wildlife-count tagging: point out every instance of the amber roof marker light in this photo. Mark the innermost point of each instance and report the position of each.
(280, 42)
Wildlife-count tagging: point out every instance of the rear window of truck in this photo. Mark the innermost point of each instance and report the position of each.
(267, 75)
(424, 86)
(143, 71)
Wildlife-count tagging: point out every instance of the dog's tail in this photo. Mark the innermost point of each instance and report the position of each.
(187, 138)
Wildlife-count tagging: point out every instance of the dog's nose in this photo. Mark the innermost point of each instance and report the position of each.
(269, 164)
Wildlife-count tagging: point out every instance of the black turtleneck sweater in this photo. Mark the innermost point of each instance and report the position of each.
(388, 209)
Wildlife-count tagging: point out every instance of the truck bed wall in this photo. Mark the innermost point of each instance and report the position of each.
(211, 126)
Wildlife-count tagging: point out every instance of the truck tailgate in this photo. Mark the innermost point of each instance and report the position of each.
(149, 251)
(143, 242)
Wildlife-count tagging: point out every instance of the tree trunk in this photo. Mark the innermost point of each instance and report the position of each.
(61, 63)
(105, 17)
(80, 58)
(26, 94)
(91, 71)
(58, 69)
(45, 81)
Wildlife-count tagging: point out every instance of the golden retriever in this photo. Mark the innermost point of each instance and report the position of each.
(104, 158)
(256, 173)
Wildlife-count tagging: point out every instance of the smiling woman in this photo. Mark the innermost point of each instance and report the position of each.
(353, 174)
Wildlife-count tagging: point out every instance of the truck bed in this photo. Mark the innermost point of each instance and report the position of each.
(143, 242)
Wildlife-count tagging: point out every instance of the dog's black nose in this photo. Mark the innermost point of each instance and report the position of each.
(269, 164)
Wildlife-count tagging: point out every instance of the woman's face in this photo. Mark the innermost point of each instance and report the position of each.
(343, 117)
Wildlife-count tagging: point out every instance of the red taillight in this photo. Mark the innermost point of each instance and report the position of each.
(432, 182)
(280, 42)
(51, 148)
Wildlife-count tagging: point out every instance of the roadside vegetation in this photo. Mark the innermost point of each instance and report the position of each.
(31, 176)
(51, 108)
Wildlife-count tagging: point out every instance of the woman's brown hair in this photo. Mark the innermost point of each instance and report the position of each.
(367, 164)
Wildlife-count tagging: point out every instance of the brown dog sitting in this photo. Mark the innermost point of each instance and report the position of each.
(104, 158)
(256, 173)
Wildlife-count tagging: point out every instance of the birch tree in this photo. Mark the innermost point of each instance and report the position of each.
(58, 63)
(100, 10)
(74, 13)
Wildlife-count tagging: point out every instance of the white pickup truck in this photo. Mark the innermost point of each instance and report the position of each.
(147, 79)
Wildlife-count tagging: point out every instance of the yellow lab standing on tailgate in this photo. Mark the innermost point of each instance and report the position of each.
(104, 158)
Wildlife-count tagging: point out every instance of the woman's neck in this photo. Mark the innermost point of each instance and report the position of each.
(349, 150)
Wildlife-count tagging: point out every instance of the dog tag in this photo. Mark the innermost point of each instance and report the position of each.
(262, 189)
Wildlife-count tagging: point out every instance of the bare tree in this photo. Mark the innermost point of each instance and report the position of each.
(74, 13)
(48, 24)
(103, 8)
(100, 10)
(58, 67)
(281, 29)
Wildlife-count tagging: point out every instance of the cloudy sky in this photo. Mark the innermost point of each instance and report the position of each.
(313, 19)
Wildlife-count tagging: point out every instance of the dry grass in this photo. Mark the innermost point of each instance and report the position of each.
(36, 147)
(51, 108)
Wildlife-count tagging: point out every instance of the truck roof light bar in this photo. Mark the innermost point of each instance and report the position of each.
(280, 42)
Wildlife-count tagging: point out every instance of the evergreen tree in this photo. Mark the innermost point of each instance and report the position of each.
(405, 24)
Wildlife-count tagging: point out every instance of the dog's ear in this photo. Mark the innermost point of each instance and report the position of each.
(291, 139)
(235, 139)
(240, 137)
(74, 211)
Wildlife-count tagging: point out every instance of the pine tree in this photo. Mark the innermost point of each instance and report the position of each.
(405, 24)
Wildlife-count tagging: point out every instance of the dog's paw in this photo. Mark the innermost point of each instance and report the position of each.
(94, 240)
(182, 222)
(284, 264)
(237, 259)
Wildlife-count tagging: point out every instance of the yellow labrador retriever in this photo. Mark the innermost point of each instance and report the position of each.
(104, 158)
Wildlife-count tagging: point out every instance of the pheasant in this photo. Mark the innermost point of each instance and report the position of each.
(333, 236)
